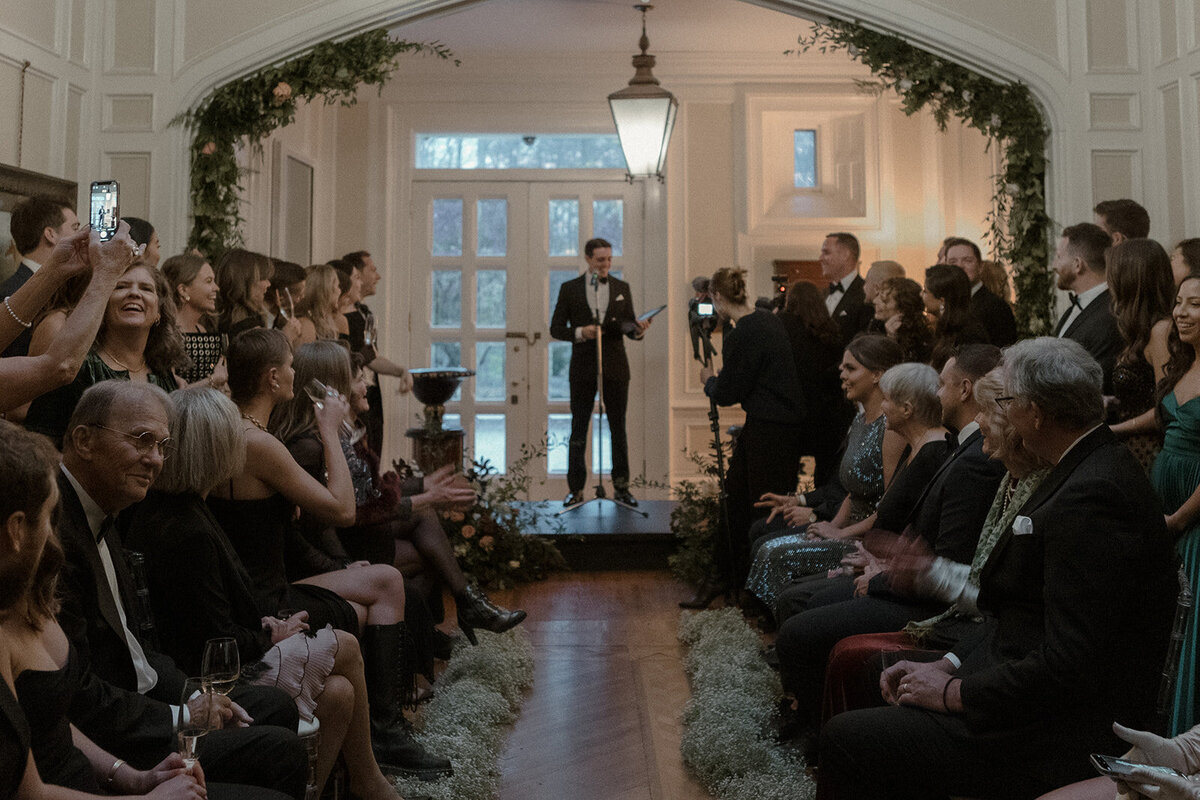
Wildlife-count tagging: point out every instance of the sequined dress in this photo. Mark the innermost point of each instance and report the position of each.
(204, 350)
(791, 554)
(1133, 385)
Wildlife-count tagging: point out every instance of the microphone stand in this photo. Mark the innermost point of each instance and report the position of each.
(601, 494)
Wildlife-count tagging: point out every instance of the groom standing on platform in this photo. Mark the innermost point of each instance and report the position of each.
(574, 320)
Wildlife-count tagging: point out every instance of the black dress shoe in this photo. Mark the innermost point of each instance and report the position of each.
(623, 496)
(706, 593)
(573, 499)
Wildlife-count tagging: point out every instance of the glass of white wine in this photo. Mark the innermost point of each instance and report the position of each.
(318, 392)
(195, 716)
(221, 665)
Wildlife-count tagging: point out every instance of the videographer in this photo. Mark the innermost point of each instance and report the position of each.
(758, 372)
(702, 320)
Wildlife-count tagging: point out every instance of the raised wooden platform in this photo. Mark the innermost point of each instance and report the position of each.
(602, 535)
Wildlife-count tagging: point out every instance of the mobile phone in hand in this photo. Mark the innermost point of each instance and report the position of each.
(105, 208)
(1120, 769)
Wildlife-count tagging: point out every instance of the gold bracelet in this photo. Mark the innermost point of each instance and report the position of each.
(112, 773)
(13, 314)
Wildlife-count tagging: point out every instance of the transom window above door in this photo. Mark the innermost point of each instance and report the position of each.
(516, 151)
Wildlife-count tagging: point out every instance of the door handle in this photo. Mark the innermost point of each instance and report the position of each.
(529, 339)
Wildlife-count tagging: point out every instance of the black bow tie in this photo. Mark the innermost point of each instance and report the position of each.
(105, 527)
(602, 280)
(834, 288)
(1074, 298)
(952, 439)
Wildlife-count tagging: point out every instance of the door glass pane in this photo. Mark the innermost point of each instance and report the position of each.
(608, 222)
(447, 227)
(489, 371)
(452, 422)
(558, 432)
(557, 278)
(560, 364)
(564, 227)
(447, 354)
(446, 311)
(492, 221)
(490, 440)
(605, 444)
(490, 298)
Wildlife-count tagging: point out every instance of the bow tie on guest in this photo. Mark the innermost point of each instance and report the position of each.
(602, 280)
(105, 528)
(952, 439)
(1074, 298)
(834, 288)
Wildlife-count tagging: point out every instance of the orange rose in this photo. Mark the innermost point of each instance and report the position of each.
(208, 149)
(468, 531)
(487, 542)
(282, 93)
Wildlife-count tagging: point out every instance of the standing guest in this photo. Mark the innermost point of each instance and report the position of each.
(1123, 219)
(1143, 292)
(116, 442)
(243, 278)
(1080, 594)
(995, 278)
(947, 297)
(901, 311)
(37, 225)
(146, 238)
(286, 292)
(845, 299)
(318, 313)
(196, 291)
(574, 320)
(137, 341)
(993, 312)
(816, 351)
(1185, 259)
(879, 273)
(1080, 269)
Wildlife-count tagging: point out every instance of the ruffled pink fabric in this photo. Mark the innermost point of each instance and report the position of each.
(299, 666)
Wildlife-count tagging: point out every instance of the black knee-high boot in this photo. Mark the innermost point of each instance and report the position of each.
(387, 661)
(475, 610)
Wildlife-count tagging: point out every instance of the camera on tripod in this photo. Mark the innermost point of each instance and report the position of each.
(702, 321)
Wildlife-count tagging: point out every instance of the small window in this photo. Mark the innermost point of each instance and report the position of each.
(805, 160)
(513, 151)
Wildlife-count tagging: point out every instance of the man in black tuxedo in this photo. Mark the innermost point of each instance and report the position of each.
(1079, 265)
(37, 224)
(845, 297)
(113, 450)
(993, 312)
(574, 321)
(1078, 597)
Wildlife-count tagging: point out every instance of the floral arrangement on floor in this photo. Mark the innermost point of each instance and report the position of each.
(694, 519)
(490, 538)
(727, 741)
(1019, 227)
(247, 110)
(478, 695)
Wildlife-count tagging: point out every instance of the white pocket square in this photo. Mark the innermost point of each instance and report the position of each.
(1022, 526)
(620, 297)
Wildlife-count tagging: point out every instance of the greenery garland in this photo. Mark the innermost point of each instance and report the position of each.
(1019, 227)
(250, 108)
(726, 723)
(475, 699)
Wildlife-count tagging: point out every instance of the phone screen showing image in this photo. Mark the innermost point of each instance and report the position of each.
(105, 209)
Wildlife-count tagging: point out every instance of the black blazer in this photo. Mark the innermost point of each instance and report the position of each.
(1096, 329)
(20, 345)
(1079, 610)
(853, 313)
(572, 311)
(996, 316)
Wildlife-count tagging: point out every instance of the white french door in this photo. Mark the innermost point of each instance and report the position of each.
(490, 257)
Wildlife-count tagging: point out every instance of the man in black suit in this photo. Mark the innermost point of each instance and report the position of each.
(845, 297)
(1079, 265)
(36, 226)
(574, 321)
(993, 312)
(113, 450)
(1078, 596)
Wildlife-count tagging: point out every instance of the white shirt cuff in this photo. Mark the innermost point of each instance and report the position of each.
(954, 660)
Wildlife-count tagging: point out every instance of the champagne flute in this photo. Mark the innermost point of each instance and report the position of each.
(318, 392)
(287, 308)
(195, 716)
(221, 665)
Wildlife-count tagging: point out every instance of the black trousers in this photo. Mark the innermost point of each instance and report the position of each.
(616, 398)
(267, 755)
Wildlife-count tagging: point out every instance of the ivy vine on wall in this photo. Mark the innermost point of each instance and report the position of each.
(249, 109)
(1018, 225)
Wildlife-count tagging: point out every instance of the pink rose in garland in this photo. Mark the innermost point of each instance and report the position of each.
(282, 92)
(208, 149)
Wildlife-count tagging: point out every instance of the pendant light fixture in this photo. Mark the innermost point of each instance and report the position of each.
(644, 114)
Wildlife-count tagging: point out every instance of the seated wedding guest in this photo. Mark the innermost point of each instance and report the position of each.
(319, 313)
(1122, 219)
(816, 350)
(256, 507)
(872, 454)
(990, 309)
(759, 373)
(37, 225)
(947, 296)
(242, 280)
(286, 292)
(1185, 259)
(1180, 753)
(1080, 270)
(901, 311)
(195, 286)
(146, 238)
(1079, 595)
(34, 652)
(137, 341)
(116, 442)
(199, 590)
(947, 518)
(1142, 291)
(389, 527)
(80, 258)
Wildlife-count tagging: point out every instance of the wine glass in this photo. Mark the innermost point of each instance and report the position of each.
(221, 665)
(287, 309)
(317, 392)
(195, 716)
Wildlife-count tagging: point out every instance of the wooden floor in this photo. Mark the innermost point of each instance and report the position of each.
(602, 721)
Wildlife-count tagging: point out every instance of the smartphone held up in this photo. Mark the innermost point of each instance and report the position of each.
(105, 211)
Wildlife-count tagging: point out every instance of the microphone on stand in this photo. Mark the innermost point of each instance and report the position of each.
(595, 280)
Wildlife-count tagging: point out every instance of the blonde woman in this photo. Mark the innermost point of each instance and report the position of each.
(318, 312)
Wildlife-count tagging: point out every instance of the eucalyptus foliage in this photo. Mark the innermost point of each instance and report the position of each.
(249, 109)
(1019, 227)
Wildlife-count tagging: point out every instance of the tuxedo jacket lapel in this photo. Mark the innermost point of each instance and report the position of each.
(74, 524)
(962, 448)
